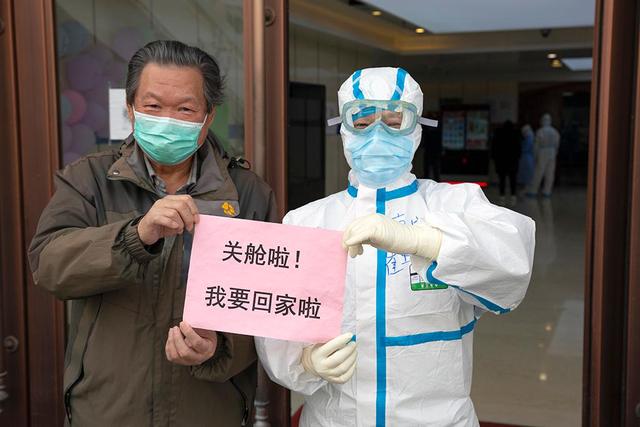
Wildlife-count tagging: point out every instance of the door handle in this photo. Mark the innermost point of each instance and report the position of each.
(1, 27)
(10, 343)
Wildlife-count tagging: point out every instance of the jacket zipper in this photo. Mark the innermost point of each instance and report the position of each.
(67, 392)
(245, 412)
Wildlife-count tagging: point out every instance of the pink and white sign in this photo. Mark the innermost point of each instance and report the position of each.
(264, 279)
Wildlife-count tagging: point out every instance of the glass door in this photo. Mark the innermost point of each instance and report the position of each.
(96, 39)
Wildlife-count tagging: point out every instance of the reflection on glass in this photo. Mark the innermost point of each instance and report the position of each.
(96, 39)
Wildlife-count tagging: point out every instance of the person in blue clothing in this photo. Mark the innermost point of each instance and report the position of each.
(527, 159)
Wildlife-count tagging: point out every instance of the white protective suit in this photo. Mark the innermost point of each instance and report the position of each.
(546, 151)
(413, 319)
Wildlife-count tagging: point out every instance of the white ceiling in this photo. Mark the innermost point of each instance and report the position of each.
(579, 64)
(462, 16)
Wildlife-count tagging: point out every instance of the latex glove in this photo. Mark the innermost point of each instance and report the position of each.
(334, 361)
(384, 233)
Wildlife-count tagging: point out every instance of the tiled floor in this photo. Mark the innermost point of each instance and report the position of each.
(528, 364)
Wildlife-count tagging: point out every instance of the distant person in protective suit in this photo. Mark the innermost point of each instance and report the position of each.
(546, 151)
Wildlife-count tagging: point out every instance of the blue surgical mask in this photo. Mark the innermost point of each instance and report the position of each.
(380, 158)
(166, 140)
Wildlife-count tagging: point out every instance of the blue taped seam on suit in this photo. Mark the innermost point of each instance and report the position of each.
(488, 304)
(390, 195)
(402, 191)
(381, 323)
(400, 78)
(357, 93)
(408, 340)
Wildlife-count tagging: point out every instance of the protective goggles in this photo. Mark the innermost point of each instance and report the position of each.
(397, 117)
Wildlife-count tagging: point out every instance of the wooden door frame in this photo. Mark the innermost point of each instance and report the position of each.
(12, 264)
(266, 78)
(632, 399)
(40, 159)
(277, 95)
(612, 278)
(276, 57)
(32, 160)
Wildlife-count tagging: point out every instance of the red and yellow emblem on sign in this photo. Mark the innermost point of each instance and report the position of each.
(228, 209)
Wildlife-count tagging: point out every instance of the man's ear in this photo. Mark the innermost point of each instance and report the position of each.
(205, 127)
(130, 114)
(210, 117)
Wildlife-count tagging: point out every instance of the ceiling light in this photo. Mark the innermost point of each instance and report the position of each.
(542, 376)
(376, 12)
(579, 64)
(556, 63)
(420, 30)
(552, 55)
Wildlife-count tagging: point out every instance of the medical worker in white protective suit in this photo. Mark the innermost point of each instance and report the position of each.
(429, 259)
(546, 151)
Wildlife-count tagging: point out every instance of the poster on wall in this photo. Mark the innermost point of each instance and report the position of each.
(119, 123)
(477, 130)
(453, 129)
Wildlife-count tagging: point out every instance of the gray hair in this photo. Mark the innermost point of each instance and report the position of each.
(171, 52)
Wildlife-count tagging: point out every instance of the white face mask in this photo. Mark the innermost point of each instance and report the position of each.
(380, 158)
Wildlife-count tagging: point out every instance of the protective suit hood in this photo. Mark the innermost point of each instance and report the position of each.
(545, 121)
(385, 83)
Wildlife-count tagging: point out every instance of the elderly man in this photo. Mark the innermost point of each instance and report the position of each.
(115, 239)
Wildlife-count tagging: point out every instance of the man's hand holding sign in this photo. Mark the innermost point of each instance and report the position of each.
(169, 216)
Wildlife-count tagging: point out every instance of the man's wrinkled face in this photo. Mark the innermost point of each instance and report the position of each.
(172, 91)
